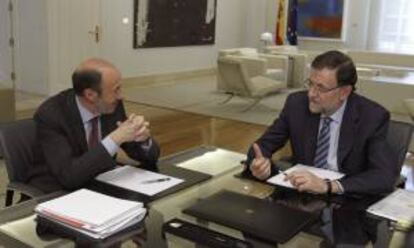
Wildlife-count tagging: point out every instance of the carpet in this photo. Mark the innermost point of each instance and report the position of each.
(199, 96)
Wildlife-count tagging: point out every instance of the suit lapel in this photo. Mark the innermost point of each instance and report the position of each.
(75, 122)
(348, 130)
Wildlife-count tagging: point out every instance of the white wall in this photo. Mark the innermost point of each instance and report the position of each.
(239, 23)
(262, 14)
(31, 46)
(117, 41)
(256, 22)
(5, 51)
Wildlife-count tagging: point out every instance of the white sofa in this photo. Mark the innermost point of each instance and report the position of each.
(391, 95)
(382, 58)
(383, 64)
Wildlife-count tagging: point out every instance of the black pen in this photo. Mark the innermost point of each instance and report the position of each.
(157, 180)
(283, 172)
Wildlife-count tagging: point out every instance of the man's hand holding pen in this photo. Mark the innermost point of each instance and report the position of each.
(302, 180)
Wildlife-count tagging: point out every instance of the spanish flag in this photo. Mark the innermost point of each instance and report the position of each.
(281, 23)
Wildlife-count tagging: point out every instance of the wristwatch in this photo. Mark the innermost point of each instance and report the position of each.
(329, 184)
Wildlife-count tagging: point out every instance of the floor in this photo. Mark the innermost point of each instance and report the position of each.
(200, 96)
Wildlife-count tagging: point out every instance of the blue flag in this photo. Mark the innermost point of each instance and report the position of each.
(292, 36)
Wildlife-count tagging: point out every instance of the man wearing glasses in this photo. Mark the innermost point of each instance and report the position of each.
(330, 126)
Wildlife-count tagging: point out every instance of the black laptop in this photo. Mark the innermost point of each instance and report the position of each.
(258, 218)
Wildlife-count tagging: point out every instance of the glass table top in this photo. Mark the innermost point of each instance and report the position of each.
(341, 222)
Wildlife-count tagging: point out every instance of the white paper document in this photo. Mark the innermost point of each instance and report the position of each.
(322, 173)
(398, 206)
(92, 213)
(215, 162)
(138, 180)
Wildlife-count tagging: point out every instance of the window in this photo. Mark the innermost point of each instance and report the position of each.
(395, 26)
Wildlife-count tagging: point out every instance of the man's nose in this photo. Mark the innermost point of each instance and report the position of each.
(311, 93)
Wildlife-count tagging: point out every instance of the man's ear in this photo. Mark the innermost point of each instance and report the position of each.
(90, 95)
(345, 92)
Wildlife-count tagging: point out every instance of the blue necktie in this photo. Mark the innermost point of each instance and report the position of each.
(322, 149)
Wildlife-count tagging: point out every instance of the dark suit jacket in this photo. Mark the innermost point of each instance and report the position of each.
(363, 154)
(67, 163)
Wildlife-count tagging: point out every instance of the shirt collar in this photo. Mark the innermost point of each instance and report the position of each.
(86, 115)
(339, 113)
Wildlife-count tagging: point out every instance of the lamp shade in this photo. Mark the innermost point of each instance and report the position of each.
(267, 37)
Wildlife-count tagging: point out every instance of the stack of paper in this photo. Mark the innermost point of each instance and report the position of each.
(398, 206)
(279, 179)
(138, 180)
(214, 162)
(92, 213)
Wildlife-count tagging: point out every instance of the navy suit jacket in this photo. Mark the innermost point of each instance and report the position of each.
(65, 161)
(363, 154)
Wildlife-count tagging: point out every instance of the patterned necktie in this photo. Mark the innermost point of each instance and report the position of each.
(322, 149)
(93, 135)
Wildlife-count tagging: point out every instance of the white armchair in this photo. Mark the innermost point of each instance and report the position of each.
(275, 67)
(246, 77)
(244, 51)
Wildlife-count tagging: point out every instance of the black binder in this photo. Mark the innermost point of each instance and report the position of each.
(48, 229)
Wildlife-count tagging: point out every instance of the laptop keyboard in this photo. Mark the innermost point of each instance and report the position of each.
(202, 235)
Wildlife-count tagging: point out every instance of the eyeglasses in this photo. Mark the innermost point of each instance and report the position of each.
(318, 88)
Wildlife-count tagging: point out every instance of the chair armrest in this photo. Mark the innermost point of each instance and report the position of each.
(260, 86)
(25, 189)
(276, 61)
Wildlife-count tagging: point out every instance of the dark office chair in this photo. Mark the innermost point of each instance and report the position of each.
(17, 140)
(409, 238)
(399, 138)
